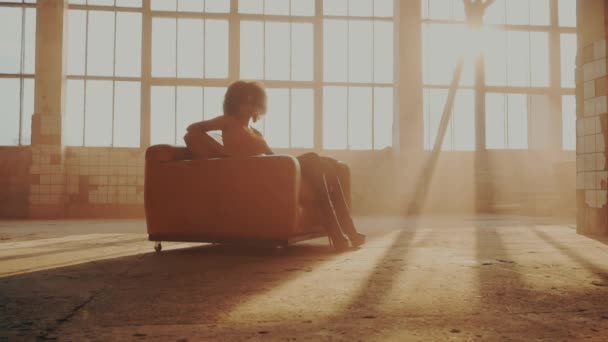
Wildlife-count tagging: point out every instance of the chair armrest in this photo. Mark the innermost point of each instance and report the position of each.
(167, 153)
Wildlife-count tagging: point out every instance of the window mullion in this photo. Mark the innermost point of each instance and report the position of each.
(146, 70)
(318, 75)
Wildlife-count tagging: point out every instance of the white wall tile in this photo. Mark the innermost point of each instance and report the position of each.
(599, 49)
(589, 89)
(591, 198)
(601, 106)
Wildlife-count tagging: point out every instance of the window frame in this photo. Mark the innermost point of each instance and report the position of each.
(234, 18)
(554, 90)
(21, 75)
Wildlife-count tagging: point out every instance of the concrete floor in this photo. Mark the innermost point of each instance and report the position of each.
(484, 278)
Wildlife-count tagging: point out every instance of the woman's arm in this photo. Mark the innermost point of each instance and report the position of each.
(267, 150)
(215, 124)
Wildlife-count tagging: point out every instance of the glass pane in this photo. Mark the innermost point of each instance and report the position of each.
(303, 7)
(335, 129)
(518, 58)
(540, 13)
(101, 2)
(464, 120)
(302, 118)
(442, 46)
(163, 47)
(9, 111)
(496, 58)
(360, 8)
(29, 60)
(252, 50)
(569, 122)
(383, 8)
(539, 59)
(10, 40)
(98, 119)
(128, 3)
(27, 110)
(128, 44)
(251, 6)
(568, 47)
(383, 118)
(213, 102)
(495, 121)
(302, 52)
(517, 105)
(277, 118)
(439, 9)
(335, 7)
(383, 52)
(100, 43)
(458, 10)
(190, 48)
(567, 12)
(164, 5)
(436, 99)
(127, 114)
(496, 13)
(276, 7)
(162, 115)
(425, 8)
(190, 5)
(217, 6)
(74, 114)
(216, 48)
(540, 112)
(76, 41)
(189, 109)
(71, 2)
(335, 51)
(518, 12)
(360, 118)
(277, 51)
(360, 51)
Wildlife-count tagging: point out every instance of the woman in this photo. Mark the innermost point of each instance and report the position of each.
(245, 102)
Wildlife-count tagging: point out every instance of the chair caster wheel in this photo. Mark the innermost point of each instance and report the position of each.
(158, 246)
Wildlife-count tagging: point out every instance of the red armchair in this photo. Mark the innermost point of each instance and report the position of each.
(250, 199)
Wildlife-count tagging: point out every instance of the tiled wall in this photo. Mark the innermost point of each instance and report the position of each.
(104, 182)
(592, 133)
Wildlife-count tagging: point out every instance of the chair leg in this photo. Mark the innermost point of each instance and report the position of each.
(158, 246)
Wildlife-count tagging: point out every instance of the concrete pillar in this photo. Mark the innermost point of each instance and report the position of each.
(592, 118)
(47, 178)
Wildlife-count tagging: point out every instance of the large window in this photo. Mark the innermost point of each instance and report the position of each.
(515, 43)
(358, 74)
(104, 73)
(17, 68)
(280, 52)
(190, 65)
(327, 66)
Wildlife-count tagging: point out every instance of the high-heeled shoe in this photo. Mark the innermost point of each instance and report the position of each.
(338, 243)
(356, 239)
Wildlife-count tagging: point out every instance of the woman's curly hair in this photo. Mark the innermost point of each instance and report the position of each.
(241, 92)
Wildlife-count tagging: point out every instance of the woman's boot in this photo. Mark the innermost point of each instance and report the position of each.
(343, 214)
(329, 219)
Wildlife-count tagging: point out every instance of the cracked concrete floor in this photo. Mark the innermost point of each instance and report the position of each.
(483, 278)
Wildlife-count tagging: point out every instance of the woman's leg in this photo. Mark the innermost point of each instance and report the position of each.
(339, 201)
(312, 170)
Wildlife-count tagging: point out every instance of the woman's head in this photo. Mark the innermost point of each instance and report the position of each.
(245, 99)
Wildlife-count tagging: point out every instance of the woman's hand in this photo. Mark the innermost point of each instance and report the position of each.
(215, 124)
